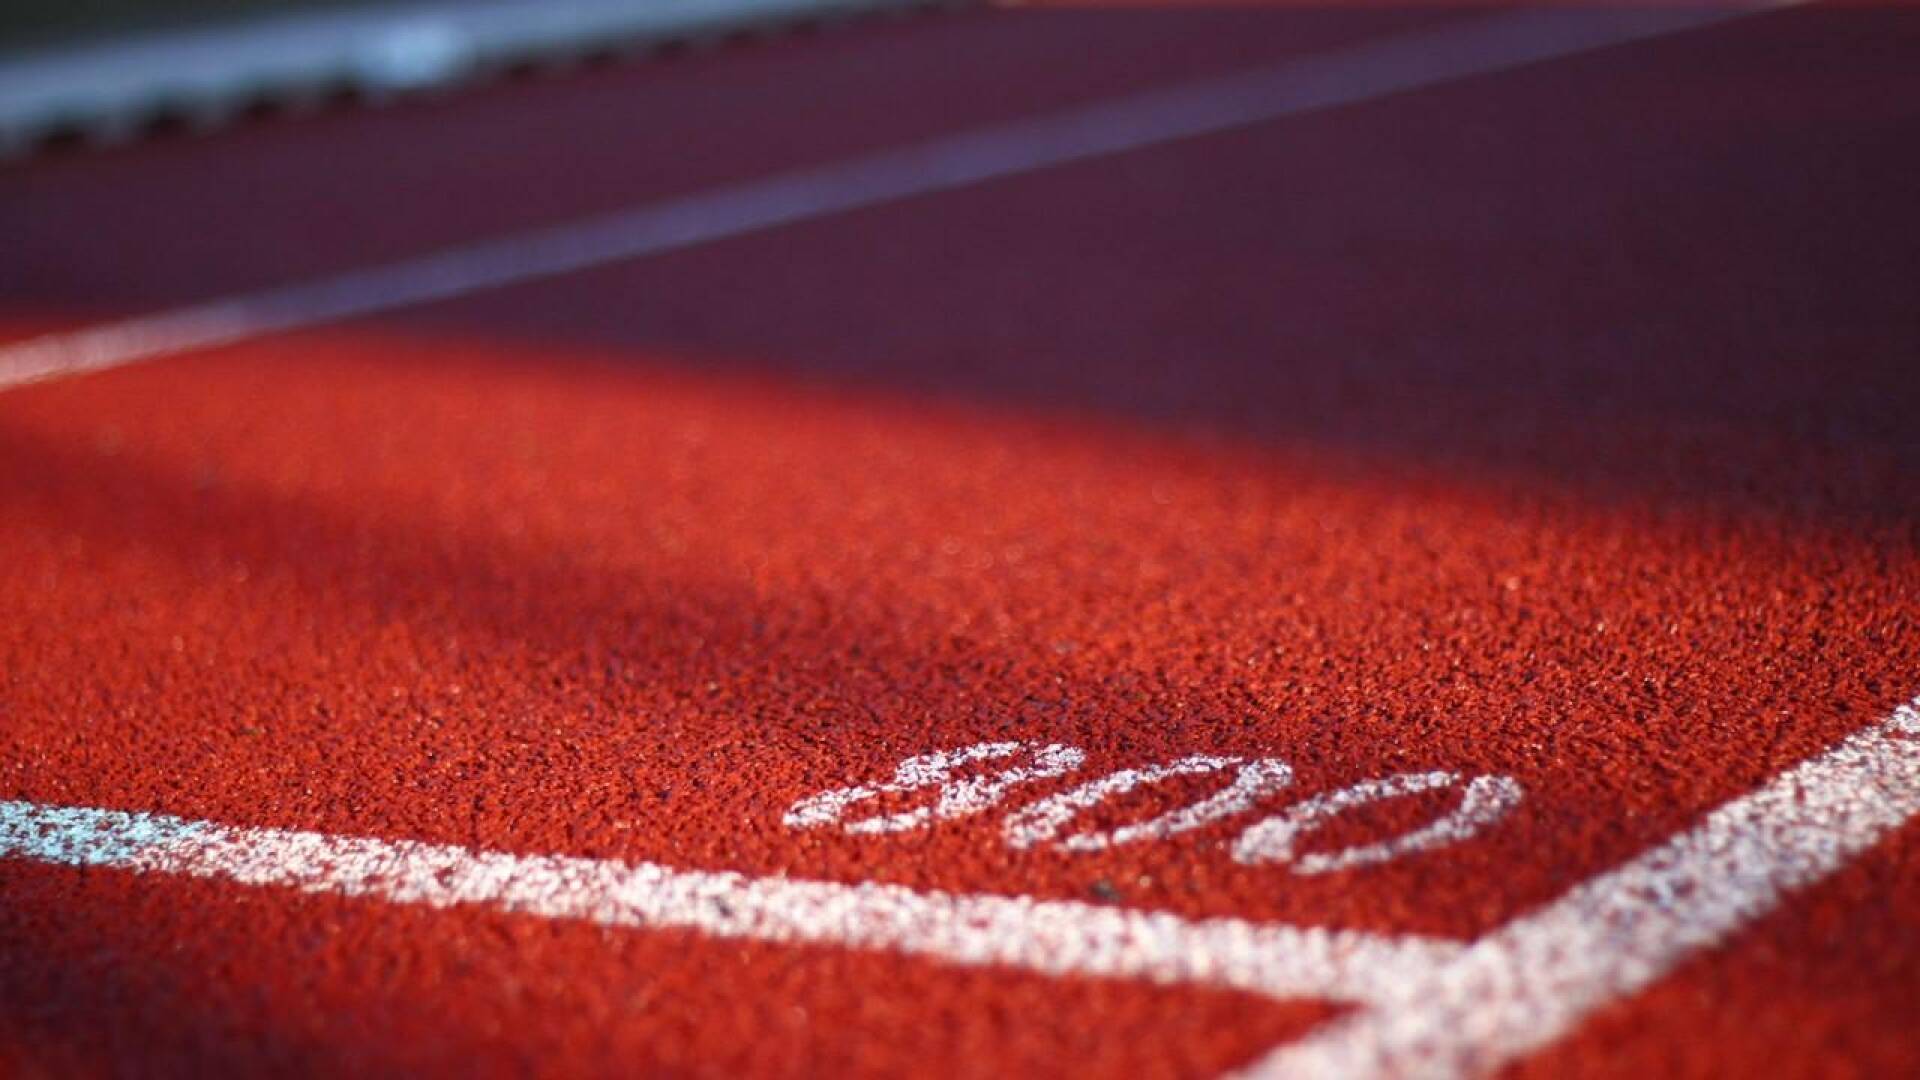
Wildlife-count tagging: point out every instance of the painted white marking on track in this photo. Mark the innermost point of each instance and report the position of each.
(1346, 76)
(1533, 980)
(1042, 821)
(1486, 800)
(1049, 936)
(1431, 1007)
(958, 798)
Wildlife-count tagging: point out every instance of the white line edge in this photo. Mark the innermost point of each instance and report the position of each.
(1049, 936)
(1534, 979)
(1431, 1007)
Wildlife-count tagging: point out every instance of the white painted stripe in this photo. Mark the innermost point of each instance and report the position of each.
(1534, 979)
(1431, 1008)
(1359, 73)
(1049, 936)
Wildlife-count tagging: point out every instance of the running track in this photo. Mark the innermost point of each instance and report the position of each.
(474, 618)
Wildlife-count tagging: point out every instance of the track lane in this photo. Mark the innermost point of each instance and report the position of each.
(615, 577)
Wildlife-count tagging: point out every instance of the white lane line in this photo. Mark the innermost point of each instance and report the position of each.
(1430, 1007)
(1048, 936)
(1355, 74)
(1533, 980)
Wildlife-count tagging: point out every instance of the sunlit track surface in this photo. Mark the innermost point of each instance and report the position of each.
(1431, 1008)
(1185, 543)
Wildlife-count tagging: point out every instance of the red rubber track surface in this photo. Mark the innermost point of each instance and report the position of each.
(1556, 424)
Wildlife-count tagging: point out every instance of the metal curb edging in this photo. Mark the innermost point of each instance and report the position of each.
(101, 93)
